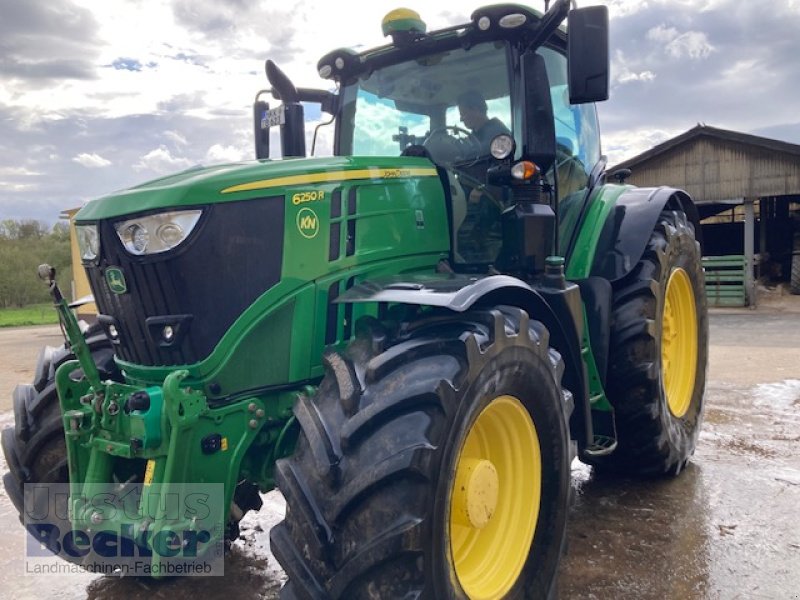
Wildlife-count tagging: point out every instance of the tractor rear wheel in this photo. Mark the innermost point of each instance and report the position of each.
(659, 353)
(794, 280)
(435, 468)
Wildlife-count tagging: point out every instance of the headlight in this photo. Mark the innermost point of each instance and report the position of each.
(88, 241)
(157, 233)
(502, 146)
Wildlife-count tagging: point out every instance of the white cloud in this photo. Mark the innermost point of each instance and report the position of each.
(622, 73)
(18, 187)
(662, 33)
(622, 145)
(91, 161)
(225, 154)
(690, 44)
(17, 172)
(627, 76)
(176, 138)
(162, 161)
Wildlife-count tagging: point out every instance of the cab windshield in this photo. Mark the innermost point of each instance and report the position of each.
(416, 103)
(448, 106)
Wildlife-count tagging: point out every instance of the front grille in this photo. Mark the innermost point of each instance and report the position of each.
(202, 286)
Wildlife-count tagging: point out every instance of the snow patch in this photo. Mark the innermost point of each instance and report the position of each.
(254, 530)
(6, 419)
(785, 394)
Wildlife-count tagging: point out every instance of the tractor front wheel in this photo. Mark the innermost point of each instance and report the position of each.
(34, 448)
(435, 468)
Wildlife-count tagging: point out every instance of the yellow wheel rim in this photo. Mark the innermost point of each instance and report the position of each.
(494, 501)
(679, 343)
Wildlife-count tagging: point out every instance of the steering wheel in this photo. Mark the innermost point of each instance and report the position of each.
(452, 144)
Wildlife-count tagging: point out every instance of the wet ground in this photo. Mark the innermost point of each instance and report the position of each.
(727, 528)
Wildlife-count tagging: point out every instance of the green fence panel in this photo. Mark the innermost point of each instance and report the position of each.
(725, 280)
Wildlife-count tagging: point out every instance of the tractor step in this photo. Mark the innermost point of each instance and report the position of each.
(602, 445)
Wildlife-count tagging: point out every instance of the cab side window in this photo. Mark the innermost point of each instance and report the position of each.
(577, 144)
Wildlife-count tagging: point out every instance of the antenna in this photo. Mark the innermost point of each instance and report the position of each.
(546, 5)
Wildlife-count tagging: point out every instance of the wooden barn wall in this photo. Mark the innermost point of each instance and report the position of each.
(713, 170)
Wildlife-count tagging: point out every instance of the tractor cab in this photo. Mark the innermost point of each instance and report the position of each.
(491, 104)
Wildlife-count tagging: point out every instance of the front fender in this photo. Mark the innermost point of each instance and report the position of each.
(617, 227)
(559, 311)
(451, 291)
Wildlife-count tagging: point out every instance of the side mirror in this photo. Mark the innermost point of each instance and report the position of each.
(587, 48)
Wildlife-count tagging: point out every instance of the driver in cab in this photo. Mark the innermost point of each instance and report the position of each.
(474, 114)
(485, 206)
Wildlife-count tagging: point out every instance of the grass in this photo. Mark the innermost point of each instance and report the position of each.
(35, 314)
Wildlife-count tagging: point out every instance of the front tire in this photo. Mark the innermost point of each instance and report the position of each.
(659, 342)
(35, 449)
(436, 468)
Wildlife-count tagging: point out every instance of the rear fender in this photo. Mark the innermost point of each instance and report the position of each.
(615, 233)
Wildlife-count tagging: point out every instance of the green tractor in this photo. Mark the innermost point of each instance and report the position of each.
(411, 339)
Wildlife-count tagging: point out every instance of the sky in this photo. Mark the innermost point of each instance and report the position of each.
(99, 95)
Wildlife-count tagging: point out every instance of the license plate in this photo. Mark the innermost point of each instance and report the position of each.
(274, 116)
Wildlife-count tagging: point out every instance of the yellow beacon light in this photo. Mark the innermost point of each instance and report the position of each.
(403, 21)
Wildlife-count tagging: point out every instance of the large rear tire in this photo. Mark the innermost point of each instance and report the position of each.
(435, 468)
(794, 281)
(659, 354)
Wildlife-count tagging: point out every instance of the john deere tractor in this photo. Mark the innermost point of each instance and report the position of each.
(411, 339)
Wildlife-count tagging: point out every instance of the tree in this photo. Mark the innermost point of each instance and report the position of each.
(24, 245)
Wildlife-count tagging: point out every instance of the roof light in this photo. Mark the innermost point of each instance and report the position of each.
(402, 20)
(513, 20)
(484, 23)
(524, 170)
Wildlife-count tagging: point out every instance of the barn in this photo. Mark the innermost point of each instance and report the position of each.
(747, 189)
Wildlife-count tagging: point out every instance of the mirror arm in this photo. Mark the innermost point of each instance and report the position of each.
(549, 23)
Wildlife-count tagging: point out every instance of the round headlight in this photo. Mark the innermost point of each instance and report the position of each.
(484, 23)
(170, 234)
(157, 233)
(502, 146)
(139, 238)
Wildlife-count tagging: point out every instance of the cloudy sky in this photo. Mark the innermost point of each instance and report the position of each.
(97, 95)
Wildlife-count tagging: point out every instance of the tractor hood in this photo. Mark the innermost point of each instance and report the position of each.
(242, 181)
